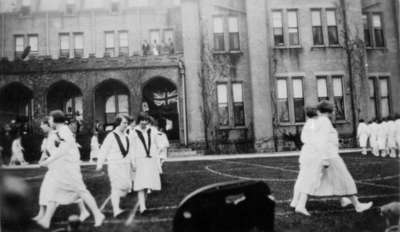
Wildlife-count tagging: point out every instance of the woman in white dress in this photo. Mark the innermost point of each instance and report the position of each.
(333, 177)
(115, 149)
(373, 137)
(391, 137)
(397, 125)
(67, 177)
(17, 152)
(94, 146)
(362, 135)
(145, 149)
(381, 138)
(47, 188)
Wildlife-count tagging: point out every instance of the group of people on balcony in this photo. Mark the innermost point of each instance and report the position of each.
(154, 48)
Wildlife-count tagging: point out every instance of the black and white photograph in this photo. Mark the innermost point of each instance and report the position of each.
(200, 115)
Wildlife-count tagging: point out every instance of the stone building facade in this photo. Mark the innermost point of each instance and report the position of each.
(226, 75)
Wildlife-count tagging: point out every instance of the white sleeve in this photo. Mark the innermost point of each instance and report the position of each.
(104, 150)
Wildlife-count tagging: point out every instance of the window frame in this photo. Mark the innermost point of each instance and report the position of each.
(33, 52)
(234, 102)
(232, 35)
(320, 27)
(231, 104)
(109, 50)
(17, 54)
(337, 42)
(123, 50)
(64, 52)
(289, 27)
(293, 99)
(219, 37)
(380, 14)
(282, 28)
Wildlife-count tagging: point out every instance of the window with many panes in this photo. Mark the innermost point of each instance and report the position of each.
(378, 30)
(293, 27)
(290, 99)
(19, 45)
(115, 6)
(123, 43)
(277, 22)
(322, 88)
(372, 98)
(282, 100)
(379, 101)
(70, 7)
(317, 33)
(330, 88)
(116, 104)
(223, 108)
(332, 27)
(337, 85)
(78, 44)
(230, 104)
(233, 30)
(33, 42)
(219, 44)
(64, 44)
(367, 32)
(26, 7)
(109, 42)
(298, 99)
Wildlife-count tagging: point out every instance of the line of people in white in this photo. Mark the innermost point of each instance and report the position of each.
(382, 136)
(134, 155)
(322, 171)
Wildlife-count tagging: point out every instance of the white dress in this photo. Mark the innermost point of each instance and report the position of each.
(381, 135)
(94, 147)
(362, 134)
(391, 134)
(119, 166)
(48, 189)
(67, 177)
(335, 180)
(310, 161)
(17, 152)
(373, 137)
(145, 149)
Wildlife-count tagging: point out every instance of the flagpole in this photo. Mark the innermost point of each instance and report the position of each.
(182, 74)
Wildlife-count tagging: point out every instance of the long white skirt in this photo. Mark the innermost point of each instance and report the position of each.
(147, 174)
(373, 143)
(391, 141)
(120, 175)
(336, 180)
(362, 140)
(49, 192)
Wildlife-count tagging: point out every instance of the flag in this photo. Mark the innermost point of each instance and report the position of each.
(165, 98)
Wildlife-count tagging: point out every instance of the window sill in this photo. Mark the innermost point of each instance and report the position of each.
(288, 47)
(376, 48)
(232, 128)
(341, 122)
(291, 124)
(233, 52)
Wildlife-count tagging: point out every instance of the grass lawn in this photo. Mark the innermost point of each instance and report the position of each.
(377, 180)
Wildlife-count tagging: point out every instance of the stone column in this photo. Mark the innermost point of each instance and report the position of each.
(260, 78)
(191, 47)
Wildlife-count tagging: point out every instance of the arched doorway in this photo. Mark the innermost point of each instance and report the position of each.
(65, 96)
(160, 99)
(111, 98)
(15, 103)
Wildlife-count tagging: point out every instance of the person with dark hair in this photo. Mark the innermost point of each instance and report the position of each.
(67, 176)
(305, 181)
(17, 151)
(373, 137)
(47, 188)
(145, 149)
(163, 143)
(94, 146)
(362, 135)
(115, 149)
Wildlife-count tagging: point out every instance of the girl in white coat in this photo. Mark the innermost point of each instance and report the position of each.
(67, 177)
(362, 135)
(145, 149)
(381, 138)
(397, 125)
(115, 149)
(94, 146)
(330, 172)
(373, 137)
(48, 186)
(391, 137)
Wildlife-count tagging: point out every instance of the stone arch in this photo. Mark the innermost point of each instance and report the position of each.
(161, 100)
(66, 96)
(15, 102)
(112, 97)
